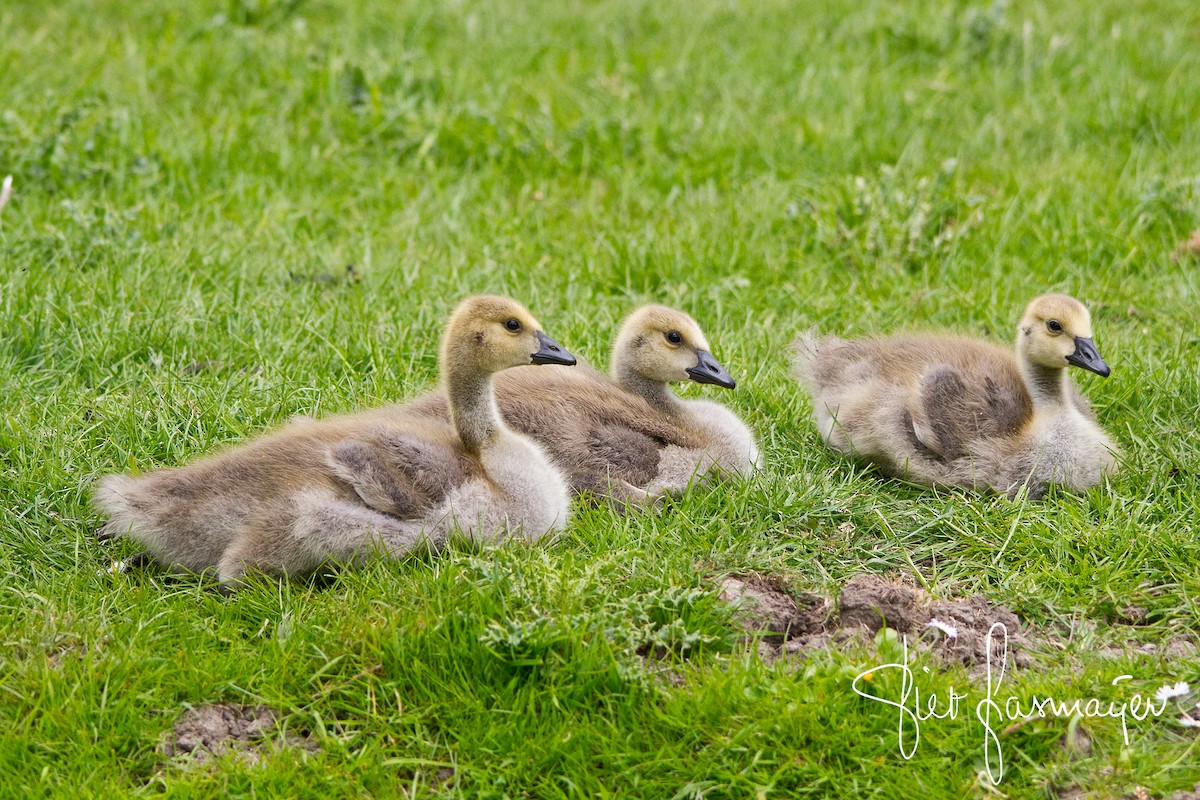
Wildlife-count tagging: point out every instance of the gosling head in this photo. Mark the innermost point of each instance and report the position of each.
(488, 334)
(660, 345)
(1056, 332)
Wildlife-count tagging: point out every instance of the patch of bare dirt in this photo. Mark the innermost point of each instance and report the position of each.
(1188, 247)
(1105, 641)
(972, 620)
(1178, 647)
(210, 731)
(1194, 794)
(796, 621)
(873, 603)
(766, 605)
(835, 637)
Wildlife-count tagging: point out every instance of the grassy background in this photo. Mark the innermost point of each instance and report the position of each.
(194, 179)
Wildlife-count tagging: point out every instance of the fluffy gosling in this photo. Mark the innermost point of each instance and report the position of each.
(952, 411)
(346, 487)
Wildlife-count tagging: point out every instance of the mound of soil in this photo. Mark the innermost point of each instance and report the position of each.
(767, 606)
(794, 621)
(872, 603)
(972, 619)
(210, 731)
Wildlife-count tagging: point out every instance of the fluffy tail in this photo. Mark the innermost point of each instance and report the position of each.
(804, 356)
(114, 495)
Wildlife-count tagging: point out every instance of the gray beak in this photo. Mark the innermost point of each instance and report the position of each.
(709, 370)
(551, 352)
(1086, 356)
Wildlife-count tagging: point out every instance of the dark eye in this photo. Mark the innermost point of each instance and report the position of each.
(1054, 326)
(674, 337)
(513, 325)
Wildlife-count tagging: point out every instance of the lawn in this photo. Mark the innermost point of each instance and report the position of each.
(227, 213)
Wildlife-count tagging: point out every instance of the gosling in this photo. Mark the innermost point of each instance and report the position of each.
(303, 495)
(951, 411)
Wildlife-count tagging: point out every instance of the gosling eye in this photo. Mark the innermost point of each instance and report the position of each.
(1054, 326)
(674, 337)
(513, 325)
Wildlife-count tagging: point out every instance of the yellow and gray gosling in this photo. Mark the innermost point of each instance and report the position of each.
(346, 487)
(952, 411)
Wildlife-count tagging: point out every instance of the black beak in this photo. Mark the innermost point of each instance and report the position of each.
(551, 352)
(709, 370)
(1088, 357)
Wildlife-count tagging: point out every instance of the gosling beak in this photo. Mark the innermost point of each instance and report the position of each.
(709, 370)
(551, 352)
(1088, 357)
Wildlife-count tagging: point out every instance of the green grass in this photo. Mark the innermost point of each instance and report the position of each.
(193, 179)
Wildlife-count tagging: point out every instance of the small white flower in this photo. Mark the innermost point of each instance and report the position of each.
(1188, 722)
(950, 631)
(5, 190)
(1168, 692)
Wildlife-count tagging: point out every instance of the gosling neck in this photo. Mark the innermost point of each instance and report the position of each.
(472, 407)
(656, 393)
(1047, 386)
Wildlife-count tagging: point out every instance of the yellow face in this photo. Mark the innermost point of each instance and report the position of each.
(1056, 332)
(662, 345)
(496, 333)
